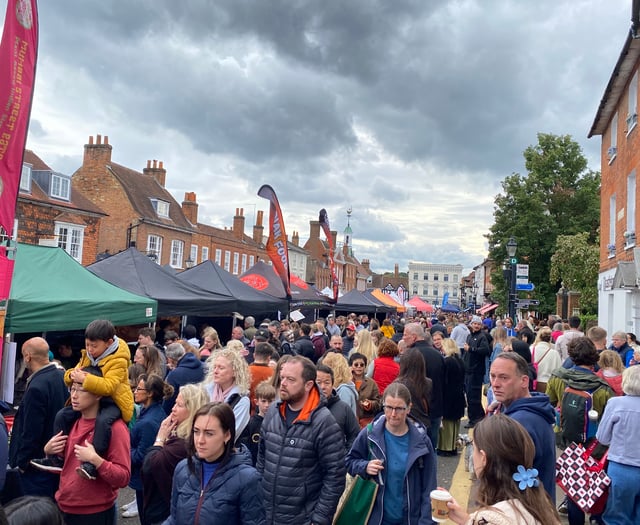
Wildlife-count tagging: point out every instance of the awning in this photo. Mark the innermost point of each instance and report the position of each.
(386, 299)
(487, 308)
(420, 305)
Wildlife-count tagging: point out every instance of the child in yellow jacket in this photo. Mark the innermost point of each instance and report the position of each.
(111, 354)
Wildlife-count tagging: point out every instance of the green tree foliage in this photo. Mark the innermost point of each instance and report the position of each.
(557, 196)
(575, 262)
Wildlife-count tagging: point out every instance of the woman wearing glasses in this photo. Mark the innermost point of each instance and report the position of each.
(396, 452)
(149, 393)
(368, 393)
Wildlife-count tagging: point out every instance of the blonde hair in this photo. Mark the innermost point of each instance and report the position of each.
(235, 345)
(340, 366)
(238, 364)
(194, 397)
(365, 345)
(449, 347)
(611, 359)
(213, 334)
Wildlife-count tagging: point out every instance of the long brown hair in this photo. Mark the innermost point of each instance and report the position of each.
(507, 445)
(224, 414)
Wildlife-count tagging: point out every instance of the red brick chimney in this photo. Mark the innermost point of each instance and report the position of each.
(295, 239)
(314, 230)
(98, 153)
(396, 271)
(157, 171)
(190, 207)
(238, 224)
(258, 228)
(366, 265)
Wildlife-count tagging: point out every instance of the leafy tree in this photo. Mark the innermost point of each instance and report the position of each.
(575, 262)
(557, 196)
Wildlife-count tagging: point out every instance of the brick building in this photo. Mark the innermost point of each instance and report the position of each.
(143, 213)
(50, 212)
(616, 121)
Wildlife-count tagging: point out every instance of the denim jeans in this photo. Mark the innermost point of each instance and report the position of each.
(623, 505)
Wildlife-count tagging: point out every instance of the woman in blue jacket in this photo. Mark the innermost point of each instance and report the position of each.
(149, 393)
(397, 453)
(216, 483)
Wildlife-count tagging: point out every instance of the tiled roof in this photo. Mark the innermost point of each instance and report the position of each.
(78, 201)
(141, 188)
(228, 235)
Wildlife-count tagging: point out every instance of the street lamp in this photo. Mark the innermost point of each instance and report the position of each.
(512, 246)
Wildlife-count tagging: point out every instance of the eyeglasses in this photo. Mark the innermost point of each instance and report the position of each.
(358, 365)
(397, 410)
(76, 389)
(137, 389)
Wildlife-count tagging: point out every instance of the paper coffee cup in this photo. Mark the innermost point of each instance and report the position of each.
(439, 509)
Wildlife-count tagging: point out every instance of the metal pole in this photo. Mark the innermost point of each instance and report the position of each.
(512, 294)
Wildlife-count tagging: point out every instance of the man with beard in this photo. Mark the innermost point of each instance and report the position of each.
(299, 457)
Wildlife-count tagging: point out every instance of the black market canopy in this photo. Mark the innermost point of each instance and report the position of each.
(360, 302)
(51, 291)
(212, 277)
(263, 277)
(135, 272)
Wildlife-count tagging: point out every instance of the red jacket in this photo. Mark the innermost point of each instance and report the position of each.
(385, 372)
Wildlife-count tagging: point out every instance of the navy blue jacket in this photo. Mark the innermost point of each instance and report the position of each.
(420, 474)
(143, 434)
(46, 393)
(232, 495)
(537, 416)
(189, 370)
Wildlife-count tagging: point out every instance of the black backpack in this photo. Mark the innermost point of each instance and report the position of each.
(575, 425)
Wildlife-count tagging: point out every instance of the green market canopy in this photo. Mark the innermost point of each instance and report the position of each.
(51, 291)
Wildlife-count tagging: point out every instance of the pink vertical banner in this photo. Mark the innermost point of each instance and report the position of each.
(18, 54)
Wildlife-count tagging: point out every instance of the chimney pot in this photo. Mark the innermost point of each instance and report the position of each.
(161, 165)
(155, 164)
(106, 140)
(90, 140)
(98, 139)
(148, 164)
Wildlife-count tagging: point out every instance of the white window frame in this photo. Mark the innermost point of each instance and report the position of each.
(25, 177)
(177, 253)
(70, 239)
(244, 262)
(227, 260)
(63, 191)
(632, 111)
(236, 261)
(205, 253)
(194, 254)
(161, 207)
(612, 152)
(612, 225)
(218, 259)
(630, 233)
(154, 245)
(252, 261)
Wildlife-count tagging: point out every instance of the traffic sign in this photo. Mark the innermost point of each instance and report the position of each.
(525, 287)
(527, 303)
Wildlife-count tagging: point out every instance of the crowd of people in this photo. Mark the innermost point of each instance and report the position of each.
(248, 432)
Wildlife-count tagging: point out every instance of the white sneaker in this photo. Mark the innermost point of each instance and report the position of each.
(128, 506)
(132, 512)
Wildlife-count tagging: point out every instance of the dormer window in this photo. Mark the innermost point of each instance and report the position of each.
(161, 207)
(60, 186)
(25, 178)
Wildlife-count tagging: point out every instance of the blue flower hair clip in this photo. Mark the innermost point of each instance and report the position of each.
(526, 477)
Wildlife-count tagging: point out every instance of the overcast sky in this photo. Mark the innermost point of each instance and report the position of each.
(410, 112)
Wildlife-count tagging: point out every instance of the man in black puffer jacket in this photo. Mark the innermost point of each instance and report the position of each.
(299, 457)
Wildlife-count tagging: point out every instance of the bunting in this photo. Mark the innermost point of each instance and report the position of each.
(277, 248)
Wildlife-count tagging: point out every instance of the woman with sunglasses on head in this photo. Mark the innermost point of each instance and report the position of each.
(396, 452)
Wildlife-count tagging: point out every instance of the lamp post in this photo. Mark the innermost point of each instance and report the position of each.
(512, 247)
